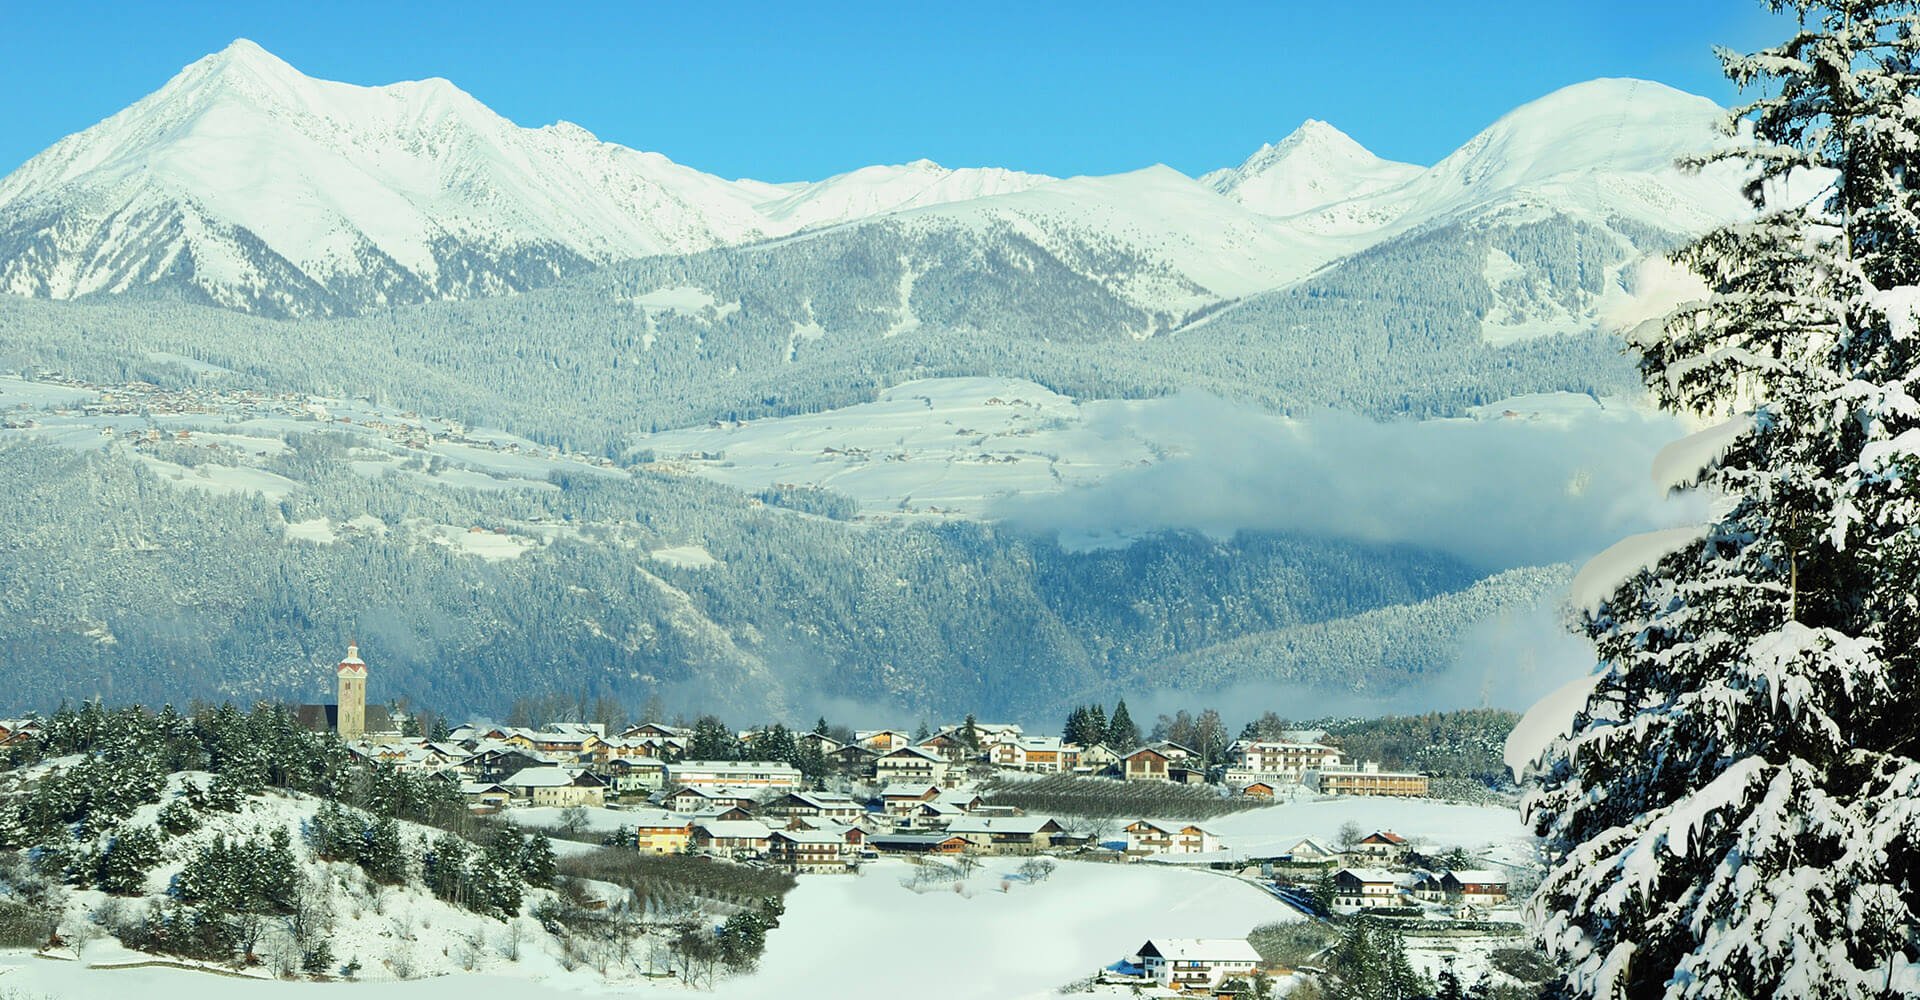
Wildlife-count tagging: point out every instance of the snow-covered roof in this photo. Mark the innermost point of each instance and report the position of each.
(1373, 876)
(810, 836)
(719, 791)
(898, 790)
(732, 829)
(920, 752)
(1000, 824)
(1201, 950)
(1479, 876)
(540, 777)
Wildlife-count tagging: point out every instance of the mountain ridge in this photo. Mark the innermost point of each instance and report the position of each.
(244, 184)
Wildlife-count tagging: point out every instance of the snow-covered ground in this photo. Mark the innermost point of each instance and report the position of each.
(948, 446)
(838, 930)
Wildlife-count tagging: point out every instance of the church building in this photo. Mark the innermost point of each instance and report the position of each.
(350, 716)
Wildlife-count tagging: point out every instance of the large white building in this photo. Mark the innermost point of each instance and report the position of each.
(1187, 963)
(1274, 759)
(740, 773)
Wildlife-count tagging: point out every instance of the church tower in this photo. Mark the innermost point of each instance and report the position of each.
(351, 719)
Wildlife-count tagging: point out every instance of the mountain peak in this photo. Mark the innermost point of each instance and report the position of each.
(244, 56)
(1314, 166)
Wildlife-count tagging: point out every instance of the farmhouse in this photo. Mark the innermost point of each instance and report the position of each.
(919, 843)
(1478, 887)
(485, 796)
(1384, 845)
(1144, 764)
(731, 838)
(854, 759)
(1260, 789)
(662, 836)
(1356, 889)
(636, 775)
(904, 800)
(1197, 963)
(1007, 834)
(883, 740)
(831, 805)
(1040, 754)
(808, 850)
(1148, 837)
(557, 786)
(698, 798)
(1311, 850)
(915, 764)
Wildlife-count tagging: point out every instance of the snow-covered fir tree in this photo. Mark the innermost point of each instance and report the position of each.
(1735, 811)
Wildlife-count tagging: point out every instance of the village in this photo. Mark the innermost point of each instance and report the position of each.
(937, 802)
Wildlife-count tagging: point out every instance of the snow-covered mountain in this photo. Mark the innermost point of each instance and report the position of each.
(261, 188)
(1600, 149)
(245, 183)
(1316, 166)
(875, 190)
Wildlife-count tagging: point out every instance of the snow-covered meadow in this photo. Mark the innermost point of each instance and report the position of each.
(986, 943)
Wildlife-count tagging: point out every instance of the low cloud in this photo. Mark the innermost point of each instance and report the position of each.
(1555, 481)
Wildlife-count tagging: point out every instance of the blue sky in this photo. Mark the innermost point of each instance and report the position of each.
(788, 91)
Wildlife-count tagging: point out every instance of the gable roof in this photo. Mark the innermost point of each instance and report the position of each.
(809, 836)
(1200, 950)
(912, 751)
(733, 828)
(1479, 876)
(1373, 876)
(1028, 825)
(1383, 837)
(539, 777)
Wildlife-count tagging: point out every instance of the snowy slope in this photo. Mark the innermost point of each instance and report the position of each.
(876, 190)
(246, 184)
(1316, 166)
(1601, 148)
(240, 170)
(1160, 239)
(866, 926)
(255, 186)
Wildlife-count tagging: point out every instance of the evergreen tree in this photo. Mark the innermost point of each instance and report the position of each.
(1076, 728)
(382, 853)
(1122, 734)
(742, 938)
(444, 868)
(1730, 815)
(537, 863)
(123, 864)
(712, 740)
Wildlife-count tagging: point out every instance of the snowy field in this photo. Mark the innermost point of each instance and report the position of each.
(948, 447)
(1269, 831)
(839, 930)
